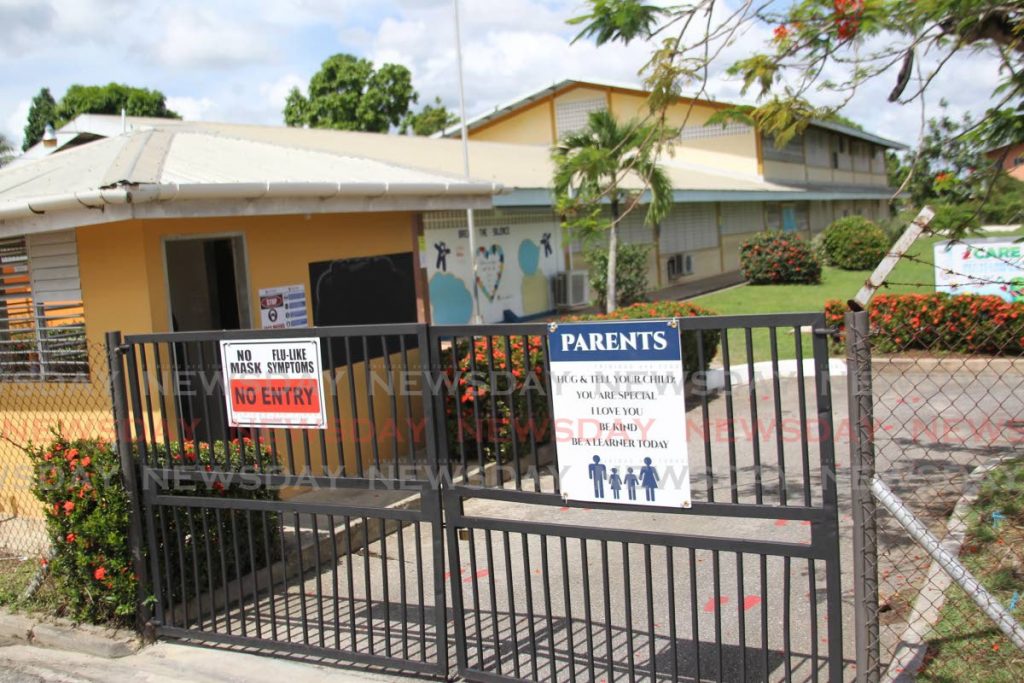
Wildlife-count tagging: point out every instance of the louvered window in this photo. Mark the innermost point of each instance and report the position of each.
(574, 115)
(42, 326)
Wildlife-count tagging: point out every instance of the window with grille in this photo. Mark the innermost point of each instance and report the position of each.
(792, 152)
(42, 325)
(572, 116)
(689, 227)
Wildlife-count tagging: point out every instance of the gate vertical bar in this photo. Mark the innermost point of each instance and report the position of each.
(119, 400)
(862, 471)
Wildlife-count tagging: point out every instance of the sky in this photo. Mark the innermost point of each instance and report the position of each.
(235, 60)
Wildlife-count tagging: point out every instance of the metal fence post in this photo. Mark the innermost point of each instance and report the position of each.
(862, 471)
(129, 475)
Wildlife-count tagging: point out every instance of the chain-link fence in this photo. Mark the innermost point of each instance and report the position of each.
(32, 407)
(944, 377)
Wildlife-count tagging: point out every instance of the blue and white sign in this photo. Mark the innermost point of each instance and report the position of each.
(993, 266)
(620, 412)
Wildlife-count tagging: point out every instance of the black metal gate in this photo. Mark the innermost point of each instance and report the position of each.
(334, 543)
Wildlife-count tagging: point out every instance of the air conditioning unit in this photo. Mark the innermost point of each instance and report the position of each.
(572, 289)
(680, 265)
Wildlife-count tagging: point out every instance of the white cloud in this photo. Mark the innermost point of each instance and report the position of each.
(14, 124)
(197, 37)
(275, 92)
(192, 108)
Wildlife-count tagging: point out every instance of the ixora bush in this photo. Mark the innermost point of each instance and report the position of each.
(777, 258)
(670, 309)
(497, 395)
(630, 274)
(79, 482)
(939, 323)
(854, 243)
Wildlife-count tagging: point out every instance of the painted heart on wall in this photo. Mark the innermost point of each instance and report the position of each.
(490, 264)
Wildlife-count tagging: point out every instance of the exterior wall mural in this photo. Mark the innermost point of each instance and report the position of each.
(515, 263)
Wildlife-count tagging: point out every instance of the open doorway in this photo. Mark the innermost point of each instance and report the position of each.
(207, 290)
(206, 283)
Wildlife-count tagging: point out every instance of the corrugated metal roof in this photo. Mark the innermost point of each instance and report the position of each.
(523, 100)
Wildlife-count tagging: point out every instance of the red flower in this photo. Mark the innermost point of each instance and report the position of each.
(70, 538)
(69, 506)
(86, 461)
(100, 573)
(71, 454)
(780, 33)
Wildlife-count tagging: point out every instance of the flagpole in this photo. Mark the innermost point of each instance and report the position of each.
(475, 318)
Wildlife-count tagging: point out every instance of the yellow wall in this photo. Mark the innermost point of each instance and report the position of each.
(706, 263)
(530, 126)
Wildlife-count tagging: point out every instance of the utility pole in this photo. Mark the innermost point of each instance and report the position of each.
(475, 318)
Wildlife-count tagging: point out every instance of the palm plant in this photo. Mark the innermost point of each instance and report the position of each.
(614, 163)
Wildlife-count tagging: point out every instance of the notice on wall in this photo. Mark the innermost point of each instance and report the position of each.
(620, 412)
(282, 307)
(274, 383)
(981, 266)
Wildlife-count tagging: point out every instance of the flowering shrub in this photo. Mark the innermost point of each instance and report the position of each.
(87, 512)
(854, 243)
(939, 322)
(498, 394)
(670, 309)
(777, 257)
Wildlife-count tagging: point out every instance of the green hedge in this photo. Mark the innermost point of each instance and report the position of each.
(630, 274)
(854, 243)
(777, 258)
(939, 323)
(87, 513)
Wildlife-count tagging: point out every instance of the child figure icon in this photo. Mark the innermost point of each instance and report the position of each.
(615, 482)
(649, 479)
(631, 482)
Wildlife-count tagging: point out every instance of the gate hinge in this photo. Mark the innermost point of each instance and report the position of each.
(826, 331)
(121, 349)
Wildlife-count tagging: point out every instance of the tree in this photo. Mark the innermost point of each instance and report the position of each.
(111, 99)
(431, 119)
(347, 93)
(814, 46)
(591, 167)
(42, 111)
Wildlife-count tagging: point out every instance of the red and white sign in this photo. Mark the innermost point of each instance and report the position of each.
(274, 383)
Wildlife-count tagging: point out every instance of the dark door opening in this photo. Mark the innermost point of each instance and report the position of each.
(206, 283)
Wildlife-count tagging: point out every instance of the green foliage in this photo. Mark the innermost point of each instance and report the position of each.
(854, 243)
(954, 219)
(42, 111)
(836, 47)
(431, 119)
(111, 99)
(776, 257)
(591, 167)
(630, 274)
(348, 93)
(664, 310)
(87, 510)
(939, 323)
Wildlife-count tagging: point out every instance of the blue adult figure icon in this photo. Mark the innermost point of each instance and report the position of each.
(598, 473)
(649, 479)
(631, 482)
(615, 482)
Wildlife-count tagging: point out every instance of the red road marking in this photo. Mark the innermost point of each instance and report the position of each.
(749, 601)
(482, 573)
(781, 522)
(710, 606)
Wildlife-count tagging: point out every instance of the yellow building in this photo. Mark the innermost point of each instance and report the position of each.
(161, 229)
(729, 181)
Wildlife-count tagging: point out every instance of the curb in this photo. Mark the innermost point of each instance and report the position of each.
(909, 655)
(98, 641)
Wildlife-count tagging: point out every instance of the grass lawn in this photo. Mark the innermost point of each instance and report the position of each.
(965, 645)
(15, 575)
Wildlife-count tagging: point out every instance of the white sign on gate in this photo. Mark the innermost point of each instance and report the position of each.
(274, 383)
(992, 265)
(620, 412)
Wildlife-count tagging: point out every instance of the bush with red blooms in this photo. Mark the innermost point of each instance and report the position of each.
(939, 323)
(770, 258)
(87, 517)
